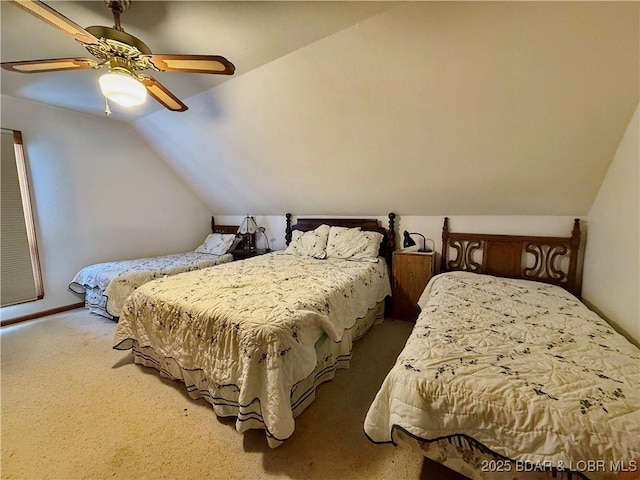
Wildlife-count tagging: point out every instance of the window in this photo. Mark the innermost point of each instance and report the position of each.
(20, 279)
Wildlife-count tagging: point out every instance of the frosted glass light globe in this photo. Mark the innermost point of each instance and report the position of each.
(122, 88)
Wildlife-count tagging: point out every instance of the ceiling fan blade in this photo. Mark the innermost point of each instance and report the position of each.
(50, 65)
(193, 64)
(162, 95)
(47, 14)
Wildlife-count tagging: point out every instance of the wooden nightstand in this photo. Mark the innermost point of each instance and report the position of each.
(242, 254)
(411, 273)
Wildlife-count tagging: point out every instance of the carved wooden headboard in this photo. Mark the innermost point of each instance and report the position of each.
(387, 245)
(542, 259)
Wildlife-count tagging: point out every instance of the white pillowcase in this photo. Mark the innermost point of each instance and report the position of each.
(216, 244)
(353, 244)
(312, 243)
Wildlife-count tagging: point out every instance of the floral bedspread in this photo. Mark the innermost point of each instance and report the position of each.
(253, 324)
(521, 367)
(118, 280)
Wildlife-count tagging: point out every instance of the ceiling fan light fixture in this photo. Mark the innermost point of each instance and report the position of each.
(125, 55)
(123, 88)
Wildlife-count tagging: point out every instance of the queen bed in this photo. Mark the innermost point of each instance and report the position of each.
(256, 337)
(105, 286)
(507, 374)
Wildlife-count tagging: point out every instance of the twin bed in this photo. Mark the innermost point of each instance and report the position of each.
(106, 286)
(507, 374)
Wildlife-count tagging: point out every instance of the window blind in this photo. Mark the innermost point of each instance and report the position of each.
(20, 279)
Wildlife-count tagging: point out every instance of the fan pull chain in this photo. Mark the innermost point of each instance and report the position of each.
(107, 110)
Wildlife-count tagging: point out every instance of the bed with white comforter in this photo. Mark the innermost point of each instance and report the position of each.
(518, 369)
(107, 285)
(255, 337)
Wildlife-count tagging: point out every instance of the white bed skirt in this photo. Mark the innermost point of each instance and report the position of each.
(96, 302)
(224, 398)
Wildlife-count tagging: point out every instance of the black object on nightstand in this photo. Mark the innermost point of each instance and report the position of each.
(242, 254)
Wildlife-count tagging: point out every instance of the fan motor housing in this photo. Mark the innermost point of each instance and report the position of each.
(120, 36)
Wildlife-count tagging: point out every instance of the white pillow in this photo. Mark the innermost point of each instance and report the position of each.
(312, 243)
(353, 244)
(217, 244)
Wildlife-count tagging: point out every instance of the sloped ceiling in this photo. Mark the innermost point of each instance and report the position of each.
(421, 108)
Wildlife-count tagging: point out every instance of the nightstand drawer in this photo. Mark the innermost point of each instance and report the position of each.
(411, 273)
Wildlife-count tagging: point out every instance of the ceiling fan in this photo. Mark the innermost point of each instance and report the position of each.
(126, 57)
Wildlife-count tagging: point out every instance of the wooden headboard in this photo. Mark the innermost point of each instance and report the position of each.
(387, 245)
(223, 228)
(542, 259)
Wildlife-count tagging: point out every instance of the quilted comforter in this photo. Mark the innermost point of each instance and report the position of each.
(117, 280)
(249, 329)
(522, 368)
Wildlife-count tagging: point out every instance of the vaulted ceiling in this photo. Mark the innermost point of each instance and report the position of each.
(422, 108)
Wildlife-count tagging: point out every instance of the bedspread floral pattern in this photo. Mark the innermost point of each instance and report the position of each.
(118, 280)
(522, 367)
(253, 324)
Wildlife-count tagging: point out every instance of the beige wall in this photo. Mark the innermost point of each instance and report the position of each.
(611, 281)
(99, 194)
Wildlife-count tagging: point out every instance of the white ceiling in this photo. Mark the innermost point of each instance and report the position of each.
(353, 108)
(249, 34)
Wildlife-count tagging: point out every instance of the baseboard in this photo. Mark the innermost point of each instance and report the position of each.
(33, 316)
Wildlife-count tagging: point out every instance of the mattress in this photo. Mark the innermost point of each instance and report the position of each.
(107, 285)
(251, 330)
(519, 369)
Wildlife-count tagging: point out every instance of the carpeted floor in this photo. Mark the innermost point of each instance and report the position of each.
(74, 408)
